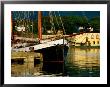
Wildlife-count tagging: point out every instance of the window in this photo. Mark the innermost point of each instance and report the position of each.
(93, 42)
(92, 36)
(97, 42)
(97, 36)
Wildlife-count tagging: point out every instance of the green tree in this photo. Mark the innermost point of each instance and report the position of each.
(95, 23)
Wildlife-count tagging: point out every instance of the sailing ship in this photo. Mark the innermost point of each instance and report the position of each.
(53, 50)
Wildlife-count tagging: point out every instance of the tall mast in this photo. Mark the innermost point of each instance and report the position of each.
(39, 25)
(11, 27)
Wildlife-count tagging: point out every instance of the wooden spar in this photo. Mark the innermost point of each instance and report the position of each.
(39, 25)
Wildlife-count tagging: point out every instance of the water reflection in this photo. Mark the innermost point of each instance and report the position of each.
(53, 68)
(83, 62)
(80, 62)
(42, 69)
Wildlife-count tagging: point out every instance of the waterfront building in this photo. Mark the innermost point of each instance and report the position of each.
(86, 39)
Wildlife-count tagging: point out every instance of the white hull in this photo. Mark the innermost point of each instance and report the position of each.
(42, 45)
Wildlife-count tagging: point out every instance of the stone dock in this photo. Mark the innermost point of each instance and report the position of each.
(26, 56)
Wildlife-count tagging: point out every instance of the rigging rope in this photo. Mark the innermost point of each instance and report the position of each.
(32, 23)
(51, 21)
(62, 23)
(56, 18)
(44, 27)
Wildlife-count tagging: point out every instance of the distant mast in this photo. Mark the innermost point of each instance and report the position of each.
(39, 25)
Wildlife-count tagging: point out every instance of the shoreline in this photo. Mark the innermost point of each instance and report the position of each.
(85, 46)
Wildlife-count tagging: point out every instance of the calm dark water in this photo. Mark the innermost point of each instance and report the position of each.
(80, 62)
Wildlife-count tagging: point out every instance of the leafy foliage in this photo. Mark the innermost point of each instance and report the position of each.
(70, 23)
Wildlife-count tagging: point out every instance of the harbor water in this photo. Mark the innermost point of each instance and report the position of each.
(79, 62)
(83, 62)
